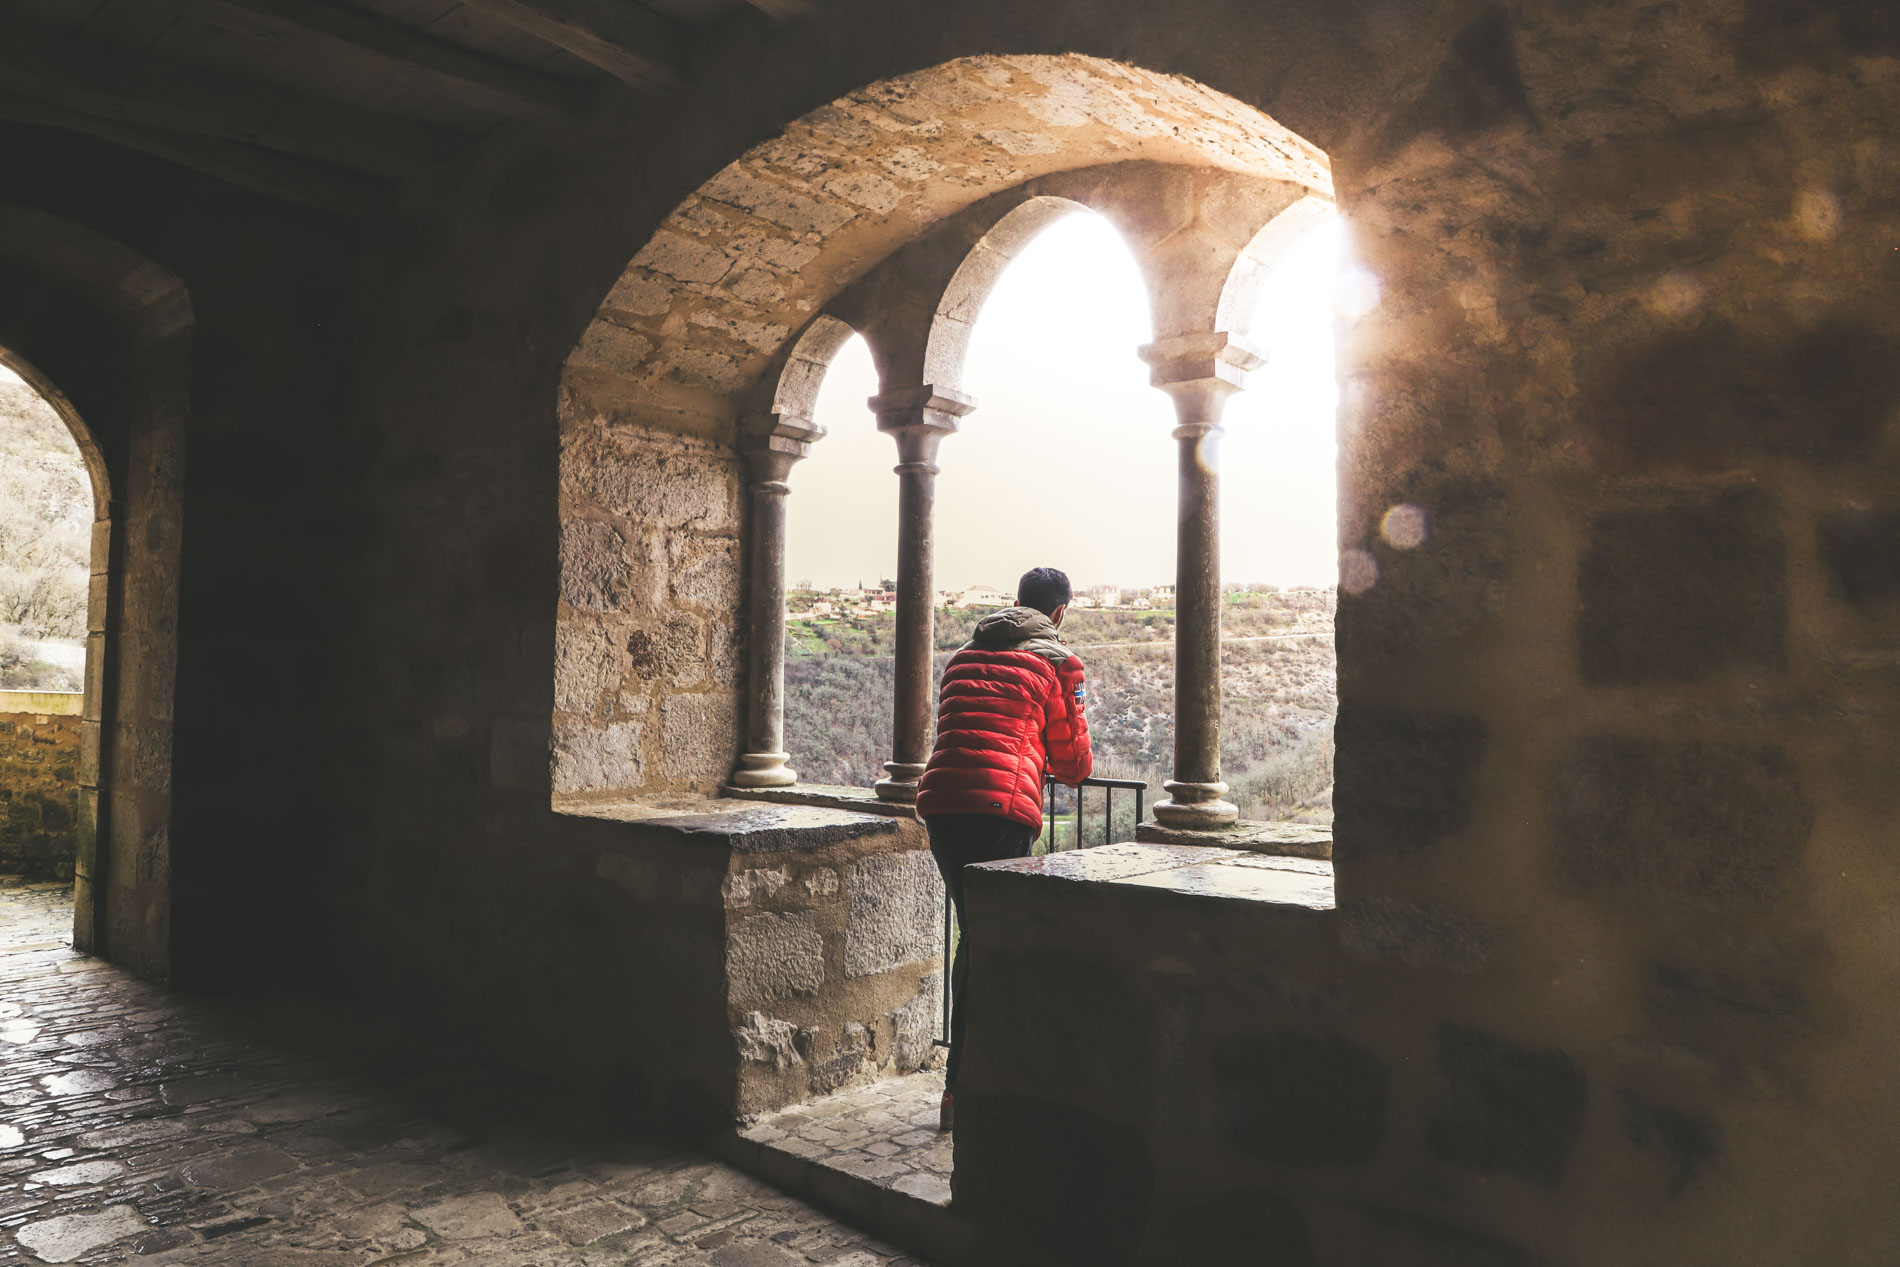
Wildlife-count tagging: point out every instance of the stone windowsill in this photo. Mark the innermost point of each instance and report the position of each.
(860, 800)
(1291, 840)
(729, 824)
(1196, 871)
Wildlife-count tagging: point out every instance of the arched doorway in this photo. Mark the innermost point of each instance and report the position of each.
(103, 336)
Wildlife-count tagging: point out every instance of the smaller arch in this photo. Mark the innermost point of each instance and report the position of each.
(795, 392)
(948, 344)
(89, 451)
(1240, 295)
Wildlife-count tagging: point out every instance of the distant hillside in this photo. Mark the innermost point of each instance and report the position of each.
(1278, 671)
(45, 539)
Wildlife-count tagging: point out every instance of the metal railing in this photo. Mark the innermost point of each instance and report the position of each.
(1050, 841)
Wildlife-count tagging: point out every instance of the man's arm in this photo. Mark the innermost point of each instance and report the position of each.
(1065, 728)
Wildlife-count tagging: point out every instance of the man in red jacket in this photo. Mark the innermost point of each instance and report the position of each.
(1011, 708)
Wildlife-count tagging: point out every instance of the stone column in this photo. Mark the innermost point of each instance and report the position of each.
(1199, 372)
(779, 441)
(918, 418)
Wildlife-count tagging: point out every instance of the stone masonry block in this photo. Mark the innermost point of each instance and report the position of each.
(1505, 1110)
(1403, 780)
(1718, 826)
(1299, 1099)
(1064, 1018)
(896, 902)
(599, 571)
(1678, 593)
(1862, 552)
(590, 757)
(774, 956)
(700, 734)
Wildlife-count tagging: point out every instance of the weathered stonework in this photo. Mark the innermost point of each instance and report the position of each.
(39, 788)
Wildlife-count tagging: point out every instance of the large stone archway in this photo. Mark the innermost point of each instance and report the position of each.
(104, 335)
(655, 397)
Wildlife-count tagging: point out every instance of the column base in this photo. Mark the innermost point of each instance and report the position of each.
(900, 783)
(1196, 806)
(764, 769)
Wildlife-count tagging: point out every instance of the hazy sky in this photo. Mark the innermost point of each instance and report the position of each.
(1067, 460)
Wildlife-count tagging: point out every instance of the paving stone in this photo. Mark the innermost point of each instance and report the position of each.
(265, 1133)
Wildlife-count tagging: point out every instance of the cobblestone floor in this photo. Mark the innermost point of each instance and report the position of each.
(886, 1133)
(137, 1125)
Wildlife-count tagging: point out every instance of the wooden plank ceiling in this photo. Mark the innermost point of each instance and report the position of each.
(330, 103)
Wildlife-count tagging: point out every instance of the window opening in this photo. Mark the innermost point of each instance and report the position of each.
(46, 516)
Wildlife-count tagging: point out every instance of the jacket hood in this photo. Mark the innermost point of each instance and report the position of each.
(1019, 629)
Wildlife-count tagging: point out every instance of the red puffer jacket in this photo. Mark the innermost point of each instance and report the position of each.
(1011, 706)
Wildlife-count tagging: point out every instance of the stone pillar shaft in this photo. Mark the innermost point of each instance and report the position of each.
(1199, 372)
(918, 419)
(769, 460)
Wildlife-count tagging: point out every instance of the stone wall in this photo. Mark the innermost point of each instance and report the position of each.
(39, 783)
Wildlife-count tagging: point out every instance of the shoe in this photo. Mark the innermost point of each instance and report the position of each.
(946, 1112)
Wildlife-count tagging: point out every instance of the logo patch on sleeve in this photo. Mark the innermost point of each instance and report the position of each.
(1080, 692)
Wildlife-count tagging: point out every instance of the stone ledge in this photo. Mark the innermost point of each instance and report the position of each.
(1188, 870)
(744, 829)
(1289, 840)
(861, 800)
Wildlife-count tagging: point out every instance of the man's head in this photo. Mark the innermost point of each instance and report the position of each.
(1045, 589)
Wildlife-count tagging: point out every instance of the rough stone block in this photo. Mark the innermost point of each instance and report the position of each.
(1062, 1018)
(914, 1025)
(1678, 593)
(1861, 550)
(590, 757)
(1299, 1099)
(1402, 780)
(700, 733)
(1718, 826)
(774, 956)
(1682, 1141)
(590, 665)
(1413, 935)
(1074, 1183)
(1436, 588)
(896, 914)
(1505, 1110)
(766, 1040)
(598, 568)
(1718, 396)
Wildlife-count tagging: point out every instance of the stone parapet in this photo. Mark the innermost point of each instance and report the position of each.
(822, 926)
(39, 782)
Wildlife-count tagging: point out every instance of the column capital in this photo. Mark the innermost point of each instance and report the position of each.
(1213, 354)
(772, 443)
(1200, 371)
(925, 406)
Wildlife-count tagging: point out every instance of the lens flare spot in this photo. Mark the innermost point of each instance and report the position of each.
(1358, 571)
(1405, 526)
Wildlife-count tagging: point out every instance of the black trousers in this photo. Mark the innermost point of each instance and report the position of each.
(956, 841)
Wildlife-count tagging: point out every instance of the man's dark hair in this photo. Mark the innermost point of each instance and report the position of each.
(1044, 589)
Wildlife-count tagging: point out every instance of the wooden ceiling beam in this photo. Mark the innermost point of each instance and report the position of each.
(272, 175)
(486, 83)
(627, 40)
(88, 78)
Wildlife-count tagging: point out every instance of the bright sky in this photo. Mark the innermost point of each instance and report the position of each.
(1067, 460)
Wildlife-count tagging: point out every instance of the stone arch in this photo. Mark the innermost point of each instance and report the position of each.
(104, 335)
(795, 389)
(664, 378)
